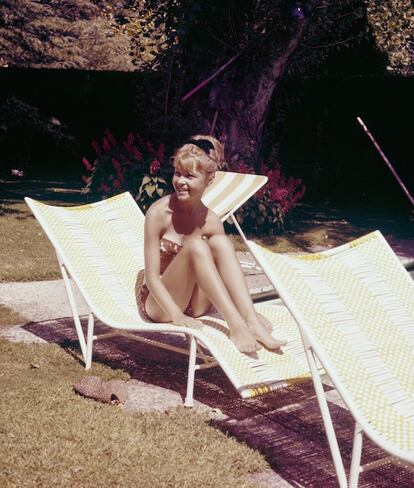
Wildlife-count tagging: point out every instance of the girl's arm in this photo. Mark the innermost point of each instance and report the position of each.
(154, 225)
(214, 225)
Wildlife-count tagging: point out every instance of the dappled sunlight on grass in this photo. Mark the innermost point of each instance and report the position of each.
(306, 237)
(26, 253)
(316, 228)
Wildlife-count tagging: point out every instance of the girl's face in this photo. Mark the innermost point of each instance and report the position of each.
(189, 184)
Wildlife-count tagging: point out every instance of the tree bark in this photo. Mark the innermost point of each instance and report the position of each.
(243, 103)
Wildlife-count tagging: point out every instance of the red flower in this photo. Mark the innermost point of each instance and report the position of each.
(87, 164)
(116, 165)
(128, 147)
(130, 139)
(154, 167)
(110, 137)
(104, 188)
(96, 147)
(106, 145)
(137, 154)
(116, 184)
(279, 194)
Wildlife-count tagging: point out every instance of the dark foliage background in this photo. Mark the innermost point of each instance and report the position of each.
(320, 141)
(126, 65)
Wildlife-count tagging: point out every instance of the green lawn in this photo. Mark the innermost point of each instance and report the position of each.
(26, 254)
(50, 436)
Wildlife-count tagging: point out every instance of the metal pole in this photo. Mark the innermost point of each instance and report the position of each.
(387, 162)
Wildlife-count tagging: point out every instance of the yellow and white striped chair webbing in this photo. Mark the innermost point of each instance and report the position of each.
(230, 190)
(358, 306)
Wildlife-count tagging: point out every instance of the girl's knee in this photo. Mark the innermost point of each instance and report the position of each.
(196, 246)
(220, 243)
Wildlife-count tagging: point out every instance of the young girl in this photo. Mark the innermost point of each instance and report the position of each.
(189, 262)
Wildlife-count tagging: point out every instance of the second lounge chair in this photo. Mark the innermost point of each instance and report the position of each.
(354, 306)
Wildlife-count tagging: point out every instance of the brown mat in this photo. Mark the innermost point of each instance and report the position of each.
(285, 426)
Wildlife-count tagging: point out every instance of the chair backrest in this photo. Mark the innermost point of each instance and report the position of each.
(230, 190)
(355, 307)
(101, 246)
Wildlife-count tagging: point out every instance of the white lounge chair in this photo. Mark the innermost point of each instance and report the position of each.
(354, 306)
(100, 246)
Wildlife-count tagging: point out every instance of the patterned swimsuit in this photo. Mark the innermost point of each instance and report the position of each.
(168, 251)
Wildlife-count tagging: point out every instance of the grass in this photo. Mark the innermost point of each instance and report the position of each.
(28, 254)
(9, 317)
(49, 436)
(305, 235)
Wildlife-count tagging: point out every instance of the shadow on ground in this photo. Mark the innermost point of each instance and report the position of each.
(285, 426)
(59, 191)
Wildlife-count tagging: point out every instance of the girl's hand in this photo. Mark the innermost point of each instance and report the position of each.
(186, 321)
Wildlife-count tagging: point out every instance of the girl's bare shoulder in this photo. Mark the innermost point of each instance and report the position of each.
(160, 206)
(159, 214)
(213, 224)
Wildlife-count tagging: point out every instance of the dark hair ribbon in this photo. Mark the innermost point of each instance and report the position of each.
(203, 144)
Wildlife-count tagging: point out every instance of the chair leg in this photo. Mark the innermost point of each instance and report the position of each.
(189, 401)
(74, 310)
(89, 342)
(327, 420)
(356, 457)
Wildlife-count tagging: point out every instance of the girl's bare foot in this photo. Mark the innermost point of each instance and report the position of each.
(243, 339)
(262, 334)
(265, 322)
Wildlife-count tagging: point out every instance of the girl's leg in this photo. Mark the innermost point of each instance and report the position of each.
(200, 302)
(194, 264)
(232, 275)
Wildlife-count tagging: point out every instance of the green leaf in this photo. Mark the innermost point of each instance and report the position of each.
(150, 190)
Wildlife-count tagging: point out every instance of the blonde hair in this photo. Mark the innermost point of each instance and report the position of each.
(191, 157)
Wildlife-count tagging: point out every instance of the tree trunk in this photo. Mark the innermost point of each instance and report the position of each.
(243, 102)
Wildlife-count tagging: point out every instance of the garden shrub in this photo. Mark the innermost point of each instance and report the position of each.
(133, 165)
(267, 211)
